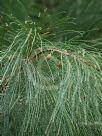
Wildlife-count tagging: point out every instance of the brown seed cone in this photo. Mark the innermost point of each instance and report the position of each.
(65, 52)
(59, 64)
(40, 49)
(49, 57)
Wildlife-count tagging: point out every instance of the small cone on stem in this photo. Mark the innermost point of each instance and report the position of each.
(65, 52)
(59, 64)
(49, 56)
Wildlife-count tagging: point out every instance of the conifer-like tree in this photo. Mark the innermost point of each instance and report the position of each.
(50, 68)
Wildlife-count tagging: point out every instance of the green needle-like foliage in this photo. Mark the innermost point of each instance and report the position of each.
(50, 71)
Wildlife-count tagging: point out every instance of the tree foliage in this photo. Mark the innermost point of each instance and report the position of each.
(50, 68)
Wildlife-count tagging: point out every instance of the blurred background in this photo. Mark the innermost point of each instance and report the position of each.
(87, 13)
